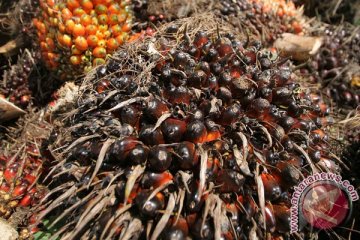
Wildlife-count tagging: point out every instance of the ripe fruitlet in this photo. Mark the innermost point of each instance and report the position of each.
(84, 25)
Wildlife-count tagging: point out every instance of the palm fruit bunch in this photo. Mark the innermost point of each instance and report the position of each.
(188, 134)
(337, 65)
(262, 18)
(21, 164)
(14, 83)
(75, 35)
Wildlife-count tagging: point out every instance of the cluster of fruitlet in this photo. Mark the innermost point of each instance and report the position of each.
(336, 65)
(20, 167)
(263, 18)
(192, 137)
(76, 35)
(15, 85)
(18, 180)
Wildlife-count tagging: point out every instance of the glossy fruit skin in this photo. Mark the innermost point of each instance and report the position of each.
(159, 159)
(138, 155)
(173, 130)
(120, 150)
(205, 232)
(149, 208)
(154, 180)
(186, 155)
(196, 132)
(271, 187)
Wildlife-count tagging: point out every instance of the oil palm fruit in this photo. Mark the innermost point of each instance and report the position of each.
(267, 19)
(337, 65)
(21, 165)
(22, 56)
(75, 35)
(178, 134)
(16, 87)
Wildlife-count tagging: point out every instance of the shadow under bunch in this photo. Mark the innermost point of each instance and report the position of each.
(186, 134)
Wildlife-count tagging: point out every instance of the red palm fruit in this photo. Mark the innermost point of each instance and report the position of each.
(10, 173)
(20, 190)
(201, 38)
(282, 217)
(212, 135)
(149, 208)
(229, 181)
(207, 171)
(155, 109)
(213, 167)
(225, 95)
(138, 155)
(4, 187)
(186, 155)
(194, 200)
(197, 79)
(247, 206)
(26, 200)
(225, 79)
(318, 135)
(230, 114)
(287, 174)
(202, 230)
(196, 132)
(224, 49)
(130, 115)
(103, 85)
(120, 189)
(159, 159)
(270, 219)
(271, 187)
(120, 150)
(178, 95)
(173, 130)
(150, 136)
(177, 229)
(258, 108)
(154, 180)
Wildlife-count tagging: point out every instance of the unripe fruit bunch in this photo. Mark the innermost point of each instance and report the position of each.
(184, 140)
(75, 35)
